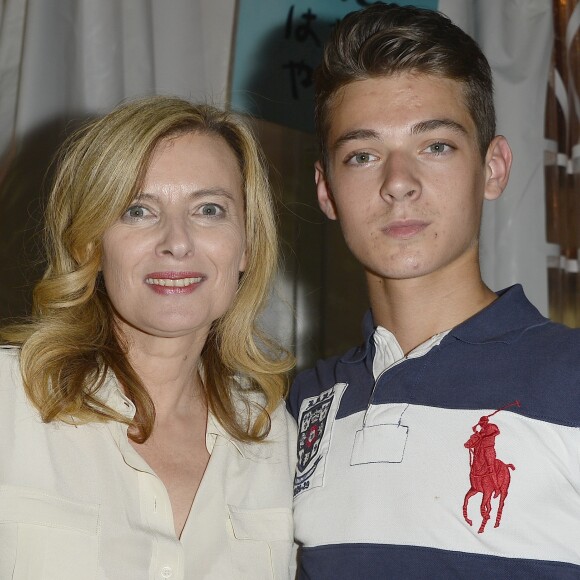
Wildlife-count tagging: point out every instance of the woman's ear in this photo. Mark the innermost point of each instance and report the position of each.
(324, 193)
(498, 163)
(243, 260)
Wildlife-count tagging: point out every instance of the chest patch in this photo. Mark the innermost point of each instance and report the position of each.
(315, 421)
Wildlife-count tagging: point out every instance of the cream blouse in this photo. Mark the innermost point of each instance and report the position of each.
(79, 503)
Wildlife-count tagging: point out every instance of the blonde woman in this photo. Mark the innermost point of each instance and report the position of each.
(142, 427)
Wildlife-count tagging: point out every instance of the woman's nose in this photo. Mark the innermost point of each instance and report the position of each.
(176, 238)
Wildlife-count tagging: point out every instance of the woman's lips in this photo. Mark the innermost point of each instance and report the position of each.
(405, 229)
(174, 282)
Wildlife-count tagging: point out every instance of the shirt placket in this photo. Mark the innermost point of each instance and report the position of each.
(167, 551)
(167, 557)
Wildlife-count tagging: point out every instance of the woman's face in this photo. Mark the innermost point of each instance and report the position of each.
(171, 262)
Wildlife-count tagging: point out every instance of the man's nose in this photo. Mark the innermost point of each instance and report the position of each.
(400, 181)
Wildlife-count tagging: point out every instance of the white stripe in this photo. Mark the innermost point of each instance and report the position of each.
(419, 501)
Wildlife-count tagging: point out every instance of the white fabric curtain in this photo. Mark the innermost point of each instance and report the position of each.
(74, 57)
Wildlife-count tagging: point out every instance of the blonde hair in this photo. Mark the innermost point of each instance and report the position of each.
(70, 341)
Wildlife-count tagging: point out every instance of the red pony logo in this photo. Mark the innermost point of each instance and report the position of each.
(488, 475)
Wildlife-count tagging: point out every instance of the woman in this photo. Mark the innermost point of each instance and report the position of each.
(142, 428)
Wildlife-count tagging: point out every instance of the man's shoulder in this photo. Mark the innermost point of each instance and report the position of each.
(311, 382)
(553, 342)
(560, 332)
(324, 375)
(513, 320)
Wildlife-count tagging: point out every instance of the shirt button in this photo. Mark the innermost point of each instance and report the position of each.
(166, 572)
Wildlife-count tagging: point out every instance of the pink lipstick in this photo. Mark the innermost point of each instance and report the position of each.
(167, 283)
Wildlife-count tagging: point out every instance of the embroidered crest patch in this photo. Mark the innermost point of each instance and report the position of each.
(314, 426)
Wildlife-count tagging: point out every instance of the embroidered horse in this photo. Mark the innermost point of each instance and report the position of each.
(484, 481)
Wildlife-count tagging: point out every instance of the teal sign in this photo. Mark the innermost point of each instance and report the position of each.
(278, 44)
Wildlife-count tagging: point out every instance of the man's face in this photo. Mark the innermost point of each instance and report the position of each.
(405, 176)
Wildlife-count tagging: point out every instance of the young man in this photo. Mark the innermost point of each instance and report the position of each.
(401, 474)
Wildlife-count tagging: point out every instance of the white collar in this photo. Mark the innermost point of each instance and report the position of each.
(388, 351)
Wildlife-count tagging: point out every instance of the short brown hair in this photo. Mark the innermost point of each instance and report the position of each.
(386, 39)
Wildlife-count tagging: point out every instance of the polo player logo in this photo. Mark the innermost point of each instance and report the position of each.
(488, 475)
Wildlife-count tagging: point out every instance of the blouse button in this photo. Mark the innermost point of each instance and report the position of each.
(166, 572)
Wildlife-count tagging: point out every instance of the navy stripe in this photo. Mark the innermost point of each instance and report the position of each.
(375, 562)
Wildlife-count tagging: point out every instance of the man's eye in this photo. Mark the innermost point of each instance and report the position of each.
(361, 158)
(438, 148)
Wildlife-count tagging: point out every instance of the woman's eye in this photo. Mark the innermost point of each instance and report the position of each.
(136, 212)
(211, 209)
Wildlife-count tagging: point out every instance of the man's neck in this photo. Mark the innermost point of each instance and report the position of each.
(416, 309)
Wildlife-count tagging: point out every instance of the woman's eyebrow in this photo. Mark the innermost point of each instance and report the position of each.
(193, 194)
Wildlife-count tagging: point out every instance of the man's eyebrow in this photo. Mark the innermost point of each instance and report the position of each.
(433, 124)
(418, 128)
(354, 135)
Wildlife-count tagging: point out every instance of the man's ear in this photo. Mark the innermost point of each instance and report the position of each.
(498, 163)
(324, 193)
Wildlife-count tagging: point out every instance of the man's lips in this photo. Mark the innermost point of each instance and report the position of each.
(405, 229)
(170, 282)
